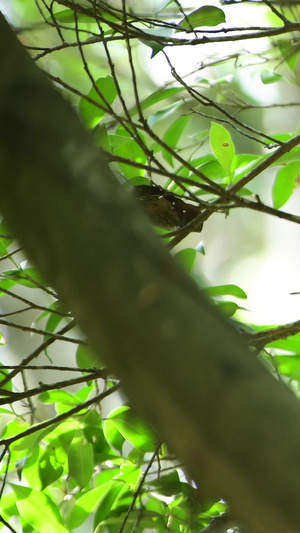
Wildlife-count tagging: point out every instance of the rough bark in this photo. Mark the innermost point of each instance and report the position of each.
(235, 428)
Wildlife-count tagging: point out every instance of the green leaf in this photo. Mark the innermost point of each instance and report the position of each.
(53, 322)
(3, 373)
(129, 474)
(269, 76)
(103, 94)
(80, 459)
(211, 169)
(63, 435)
(187, 258)
(6, 240)
(8, 505)
(186, 173)
(6, 284)
(29, 277)
(167, 485)
(27, 442)
(30, 441)
(113, 435)
(49, 471)
(112, 502)
(59, 447)
(216, 509)
(137, 180)
(162, 114)
(159, 512)
(28, 468)
(3, 247)
(86, 357)
(86, 504)
(131, 427)
(158, 96)
(38, 510)
(172, 136)
(292, 155)
(285, 182)
(228, 308)
(290, 344)
(156, 45)
(55, 306)
(58, 396)
(6, 411)
(67, 16)
(222, 147)
(93, 432)
(101, 137)
(290, 52)
(243, 163)
(130, 150)
(225, 290)
(204, 16)
(289, 365)
(13, 428)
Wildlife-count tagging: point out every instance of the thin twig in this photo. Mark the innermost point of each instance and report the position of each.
(36, 353)
(5, 472)
(43, 332)
(139, 488)
(12, 397)
(61, 417)
(266, 163)
(34, 305)
(272, 334)
(6, 524)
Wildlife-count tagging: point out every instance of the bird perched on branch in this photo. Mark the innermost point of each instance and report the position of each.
(164, 208)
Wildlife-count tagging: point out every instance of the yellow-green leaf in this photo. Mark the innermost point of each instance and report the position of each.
(80, 458)
(204, 16)
(38, 510)
(100, 97)
(285, 182)
(222, 147)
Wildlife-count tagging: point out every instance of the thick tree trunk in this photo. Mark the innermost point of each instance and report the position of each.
(236, 429)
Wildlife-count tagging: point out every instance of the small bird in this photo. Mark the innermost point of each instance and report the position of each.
(164, 208)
